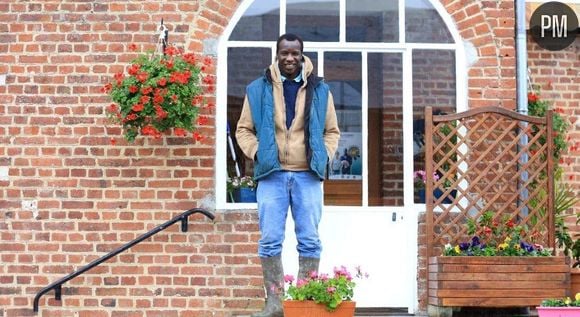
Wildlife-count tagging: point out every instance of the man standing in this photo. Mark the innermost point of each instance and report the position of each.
(288, 126)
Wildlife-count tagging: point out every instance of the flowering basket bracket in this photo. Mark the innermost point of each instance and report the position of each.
(161, 93)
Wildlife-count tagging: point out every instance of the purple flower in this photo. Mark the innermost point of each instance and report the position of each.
(526, 246)
(464, 246)
(475, 241)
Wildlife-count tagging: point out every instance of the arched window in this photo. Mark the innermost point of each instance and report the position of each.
(384, 60)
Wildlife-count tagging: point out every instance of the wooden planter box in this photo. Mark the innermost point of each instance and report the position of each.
(502, 281)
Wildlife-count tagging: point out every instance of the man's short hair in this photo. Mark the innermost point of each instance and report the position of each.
(291, 38)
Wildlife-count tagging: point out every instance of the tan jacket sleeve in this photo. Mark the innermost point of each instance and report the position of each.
(245, 132)
(331, 130)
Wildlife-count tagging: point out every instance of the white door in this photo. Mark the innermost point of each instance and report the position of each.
(364, 221)
(371, 240)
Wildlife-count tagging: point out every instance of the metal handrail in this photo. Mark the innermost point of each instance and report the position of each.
(57, 286)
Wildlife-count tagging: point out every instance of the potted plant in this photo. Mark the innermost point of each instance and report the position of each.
(241, 189)
(567, 242)
(560, 307)
(565, 198)
(321, 295)
(159, 93)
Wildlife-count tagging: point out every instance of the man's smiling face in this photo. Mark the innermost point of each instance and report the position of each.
(289, 58)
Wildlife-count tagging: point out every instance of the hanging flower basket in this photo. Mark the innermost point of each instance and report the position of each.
(159, 93)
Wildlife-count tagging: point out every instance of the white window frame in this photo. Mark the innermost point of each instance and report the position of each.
(405, 49)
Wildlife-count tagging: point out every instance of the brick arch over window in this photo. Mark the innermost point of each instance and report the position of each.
(489, 27)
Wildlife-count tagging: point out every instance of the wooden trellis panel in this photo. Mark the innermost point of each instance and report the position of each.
(495, 159)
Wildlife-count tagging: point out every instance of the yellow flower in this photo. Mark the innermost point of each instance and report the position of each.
(577, 297)
(517, 247)
(507, 240)
(502, 246)
(457, 250)
(567, 301)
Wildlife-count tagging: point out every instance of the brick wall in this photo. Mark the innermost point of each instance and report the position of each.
(68, 196)
(557, 76)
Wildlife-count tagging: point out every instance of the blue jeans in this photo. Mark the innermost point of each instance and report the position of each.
(302, 192)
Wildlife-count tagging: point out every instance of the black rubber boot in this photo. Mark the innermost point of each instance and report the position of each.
(307, 266)
(274, 284)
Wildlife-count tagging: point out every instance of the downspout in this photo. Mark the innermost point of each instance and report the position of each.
(521, 89)
(521, 57)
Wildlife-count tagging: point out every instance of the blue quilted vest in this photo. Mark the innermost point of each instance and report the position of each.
(261, 100)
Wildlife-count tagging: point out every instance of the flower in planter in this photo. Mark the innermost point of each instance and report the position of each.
(323, 289)
(159, 93)
(495, 238)
(562, 302)
(237, 182)
(420, 178)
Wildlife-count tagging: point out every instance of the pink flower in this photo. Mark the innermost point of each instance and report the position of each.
(422, 175)
(331, 289)
(301, 282)
(288, 278)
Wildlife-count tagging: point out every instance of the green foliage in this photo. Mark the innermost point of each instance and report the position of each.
(323, 289)
(538, 107)
(493, 238)
(564, 200)
(159, 92)
(562, 302)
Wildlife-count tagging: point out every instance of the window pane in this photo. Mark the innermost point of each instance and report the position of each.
(314, 20)
(372, 21)
(244, 65)
(385, 129)
(433, 85)
(423, 24)
(260, 22)
(314, 59)
(342, 72)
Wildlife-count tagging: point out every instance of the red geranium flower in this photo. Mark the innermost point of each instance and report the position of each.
(164, 82)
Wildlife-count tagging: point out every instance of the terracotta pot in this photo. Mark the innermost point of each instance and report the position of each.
(558, 311)
(293, 308)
